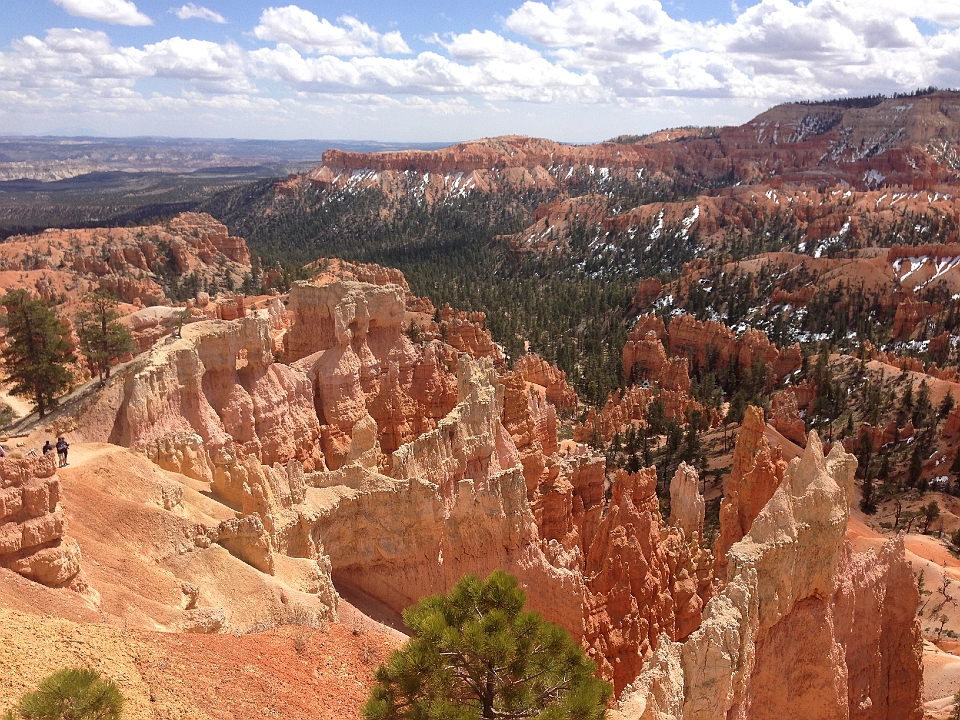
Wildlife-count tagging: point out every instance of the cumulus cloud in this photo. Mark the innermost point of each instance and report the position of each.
(190, 11)
(85, 59)
(292, 25)
(625, 53)
(427, 74)
(774, 49)
(116, 12)
(476, 46)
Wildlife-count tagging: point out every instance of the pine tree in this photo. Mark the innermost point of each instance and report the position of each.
(475, 653)
(922, 407)
(71, 694)
(103, 338)
(946, 405)
(37, 352)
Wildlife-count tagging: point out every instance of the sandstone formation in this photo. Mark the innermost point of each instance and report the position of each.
(756, 474)
(622, 409)
(691, 338)
(785, 417)
(648, 290)
(346, 336)
(535, 369)
(214, 406)
(414, 487)
(456, 502)
(218, 380)
(641, 581)
(467, 332)
(628, 407)
(131, 263)
(910, 313)
(796, 629)
(32, 527)
(687, 506)
(646, 359)
(820, 145)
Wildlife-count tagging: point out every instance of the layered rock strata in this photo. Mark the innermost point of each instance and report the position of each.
(687, 506)
(455, 501)
(130, 263)
(804, 626)
(535, 369)
(33, 540)
(641, 581)
(219, 381)
(347, 338)
(756, 474)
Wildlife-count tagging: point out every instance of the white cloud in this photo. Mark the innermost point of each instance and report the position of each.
(427, 74)
(212, 67)
(392, 43)
(190, 11)
(624, 54)
(116, 12)
(775, 49)
(476, 46)
(292, 25)
(615, 25)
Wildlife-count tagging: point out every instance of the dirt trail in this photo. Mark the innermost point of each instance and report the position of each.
(292, 672)
(20, 406)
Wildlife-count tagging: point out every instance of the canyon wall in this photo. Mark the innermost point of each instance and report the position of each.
(133, 264)
(33, 539)
(798, 630)
(218, 380)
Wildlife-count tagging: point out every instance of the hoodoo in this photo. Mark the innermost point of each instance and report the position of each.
(799, 624)
(696, 391)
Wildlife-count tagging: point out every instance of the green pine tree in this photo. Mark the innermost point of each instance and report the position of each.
(37, 352)
(103, 338)
(71, 694)
(476, 653)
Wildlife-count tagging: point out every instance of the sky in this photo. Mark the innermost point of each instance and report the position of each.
(436, 71)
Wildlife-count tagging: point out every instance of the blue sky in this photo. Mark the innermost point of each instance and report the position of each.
(573, 70)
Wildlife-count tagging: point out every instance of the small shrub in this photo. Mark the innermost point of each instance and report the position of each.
(299, 615)
(71, 694)
(300, 641)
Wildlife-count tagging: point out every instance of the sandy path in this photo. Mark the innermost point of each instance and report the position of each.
(20, 406)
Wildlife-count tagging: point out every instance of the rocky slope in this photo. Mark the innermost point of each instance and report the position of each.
(907, 142)
(32, 526)
(138, 265)
(803, 621)
(480, 487)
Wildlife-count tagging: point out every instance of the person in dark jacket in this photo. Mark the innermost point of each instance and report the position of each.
(47, 447)
(62, 447)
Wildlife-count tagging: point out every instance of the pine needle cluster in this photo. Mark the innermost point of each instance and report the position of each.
(477, 654)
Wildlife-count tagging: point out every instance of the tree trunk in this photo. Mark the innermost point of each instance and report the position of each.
(38, 397)
(487, 701)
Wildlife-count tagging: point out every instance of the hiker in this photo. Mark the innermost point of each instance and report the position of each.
(62, 447)
(48, 447)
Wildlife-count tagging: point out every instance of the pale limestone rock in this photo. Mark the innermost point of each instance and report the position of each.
(800, 628)
(181, 452)
(687, 505)
(200, 620)
(456, 503)
(218, 381)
